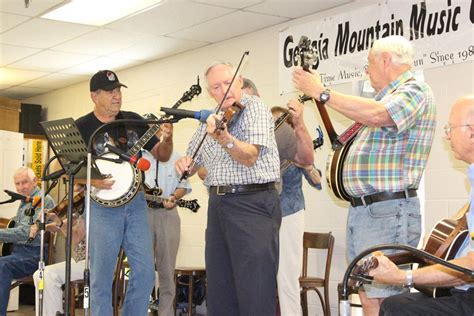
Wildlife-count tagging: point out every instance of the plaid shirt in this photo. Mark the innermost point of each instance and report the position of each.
(393, 158)
(253, 125)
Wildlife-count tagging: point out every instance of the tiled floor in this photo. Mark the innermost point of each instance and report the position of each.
(29, 311)
(26, 310)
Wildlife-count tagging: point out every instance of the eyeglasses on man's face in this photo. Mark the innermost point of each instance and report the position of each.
(448, 128)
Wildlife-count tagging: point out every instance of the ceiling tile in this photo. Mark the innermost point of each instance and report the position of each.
(153, 48)
(21, 93)
(233, 4)
(7, 20)
(49, 60)
(42, 33)
(55, 81)
(35, 8)
(296, 8)
(97, 64)
(170, 17)
(213, 31)
(100, 42)
(14, 77)
(9, 54)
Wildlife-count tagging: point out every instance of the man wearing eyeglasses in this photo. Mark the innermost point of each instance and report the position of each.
(460, 133)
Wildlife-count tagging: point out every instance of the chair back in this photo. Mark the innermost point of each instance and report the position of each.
(318, 241)
(50, 238)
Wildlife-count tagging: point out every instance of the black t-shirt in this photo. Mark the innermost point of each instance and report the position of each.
(123, 136)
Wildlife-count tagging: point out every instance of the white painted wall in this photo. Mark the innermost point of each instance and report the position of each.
(161, 83)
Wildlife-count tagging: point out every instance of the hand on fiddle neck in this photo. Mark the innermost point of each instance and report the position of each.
(219, 134)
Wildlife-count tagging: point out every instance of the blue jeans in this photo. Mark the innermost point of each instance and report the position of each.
(388, 222)
(111, 228)
(21, 263)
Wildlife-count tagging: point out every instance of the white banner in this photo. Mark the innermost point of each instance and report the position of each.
(440, 30)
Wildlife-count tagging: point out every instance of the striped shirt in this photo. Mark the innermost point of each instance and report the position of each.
(253, 125)
(393, 158)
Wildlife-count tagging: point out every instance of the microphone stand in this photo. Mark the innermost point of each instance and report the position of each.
(42, 227)
(8, 201)
(344, 304)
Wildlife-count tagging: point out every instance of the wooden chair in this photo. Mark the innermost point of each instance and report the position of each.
(118, 287)
(49, 238)
(307, 283)
(192, 273)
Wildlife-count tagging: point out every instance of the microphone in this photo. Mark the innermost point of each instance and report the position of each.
(141, 163)
(16, 196)
(31, 211)
(55, 175)
(201, 115)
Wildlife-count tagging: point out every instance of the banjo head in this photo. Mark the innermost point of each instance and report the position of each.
(127, 182)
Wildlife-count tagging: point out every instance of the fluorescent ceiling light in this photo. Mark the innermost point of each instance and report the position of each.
(98, 12)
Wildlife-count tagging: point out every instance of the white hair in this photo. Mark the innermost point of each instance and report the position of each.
(215, 64)
(400, 48)
(29, 172)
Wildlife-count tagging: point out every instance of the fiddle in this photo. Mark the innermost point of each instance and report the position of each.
(228, 116)
(78, 205)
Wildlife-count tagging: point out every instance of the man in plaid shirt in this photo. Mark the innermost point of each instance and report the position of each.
(384, 165)
(244, 213)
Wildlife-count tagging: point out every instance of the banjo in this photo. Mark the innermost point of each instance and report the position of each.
(128, 176)
(340, 144)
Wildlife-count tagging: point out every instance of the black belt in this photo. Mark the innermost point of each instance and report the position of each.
(382, 196)
(241, 188)
(154, 204)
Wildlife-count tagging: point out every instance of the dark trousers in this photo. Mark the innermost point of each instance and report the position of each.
(242, 253)
(415, 304)
(21, 263)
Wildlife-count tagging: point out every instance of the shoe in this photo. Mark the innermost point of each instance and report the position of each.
(154, 305)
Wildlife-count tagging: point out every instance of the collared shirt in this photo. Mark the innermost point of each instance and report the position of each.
(393, 158)
(468, 245)
(19, 234)
(168, 178)
(291, 196)
(253, 125)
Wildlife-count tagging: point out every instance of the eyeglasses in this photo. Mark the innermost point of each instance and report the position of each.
(448, 128)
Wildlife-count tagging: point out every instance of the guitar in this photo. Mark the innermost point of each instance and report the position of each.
(192, 205)
(444, 241)
(6, 247)
(340, 144)
(127, 177)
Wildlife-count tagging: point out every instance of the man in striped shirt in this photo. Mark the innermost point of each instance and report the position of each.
(384, 165)
(244, 213)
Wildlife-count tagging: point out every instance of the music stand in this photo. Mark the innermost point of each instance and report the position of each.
(67, 144)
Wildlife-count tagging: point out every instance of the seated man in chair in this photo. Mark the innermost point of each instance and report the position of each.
(54, 275)
(460, 132)
(23, 260)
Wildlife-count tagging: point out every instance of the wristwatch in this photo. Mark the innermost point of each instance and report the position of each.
(325, 96)
(409, 278)
(230, 145)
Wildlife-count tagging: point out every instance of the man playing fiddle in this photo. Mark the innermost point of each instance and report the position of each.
(23, 260)
(244, 211)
